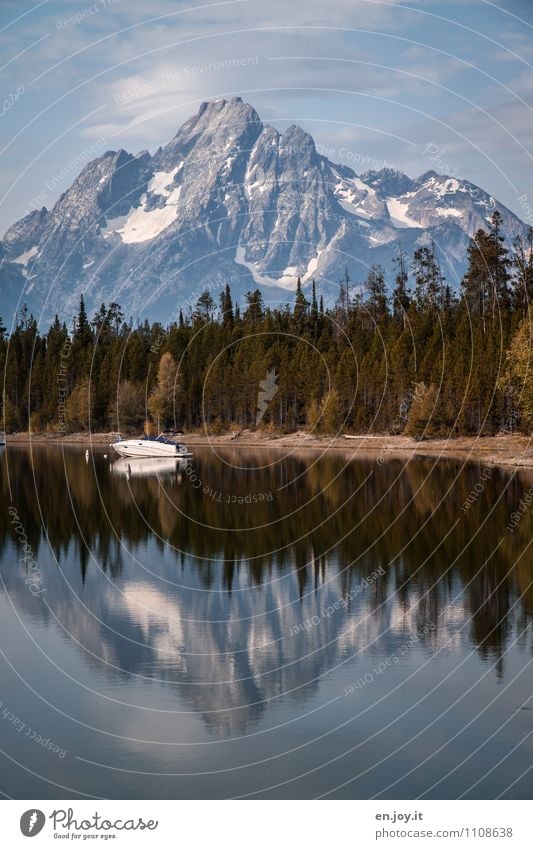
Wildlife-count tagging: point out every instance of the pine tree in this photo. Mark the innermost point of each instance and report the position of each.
(523, 265)
(376, 294)
(83, 329)
(254, 307)
(401, 300)
(343, 301)
(314, 304)
(226, 307)
(10, 416)
(486, 282)
(205, 307)
(429, 281)
(301, 305)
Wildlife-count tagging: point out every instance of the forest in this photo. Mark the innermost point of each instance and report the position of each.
(415, 358)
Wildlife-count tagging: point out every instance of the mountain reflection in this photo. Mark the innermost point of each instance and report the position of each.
(227, 595)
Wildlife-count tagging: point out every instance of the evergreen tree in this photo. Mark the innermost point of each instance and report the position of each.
(314, 304)
(301, 305)
(401, 300)
(523, 265)
(376, 294)
(343, 301)
(205, 307)
(429, 282)
(486, 282)
(254, 307)
(226, 307)
(83, 332)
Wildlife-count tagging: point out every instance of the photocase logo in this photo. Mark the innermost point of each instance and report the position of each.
(32, 822)
(267, 389)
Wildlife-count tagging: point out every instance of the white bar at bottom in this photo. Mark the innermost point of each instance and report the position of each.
(268, 824)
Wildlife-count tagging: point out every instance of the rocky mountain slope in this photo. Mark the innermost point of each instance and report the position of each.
(229, 200)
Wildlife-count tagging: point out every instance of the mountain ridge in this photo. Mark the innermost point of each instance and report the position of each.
(230, 200)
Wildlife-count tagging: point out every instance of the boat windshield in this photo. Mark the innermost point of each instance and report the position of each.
(167, 437)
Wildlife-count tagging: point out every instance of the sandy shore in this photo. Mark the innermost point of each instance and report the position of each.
(512, 451)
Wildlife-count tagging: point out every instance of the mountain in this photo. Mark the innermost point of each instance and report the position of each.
(229, 200)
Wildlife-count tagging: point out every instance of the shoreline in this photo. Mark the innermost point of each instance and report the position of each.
(508, 451)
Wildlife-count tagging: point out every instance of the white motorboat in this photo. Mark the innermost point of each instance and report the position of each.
(164, 445)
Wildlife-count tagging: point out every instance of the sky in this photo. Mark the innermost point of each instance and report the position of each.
(414, 86)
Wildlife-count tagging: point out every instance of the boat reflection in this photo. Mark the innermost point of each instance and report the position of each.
(149, 467)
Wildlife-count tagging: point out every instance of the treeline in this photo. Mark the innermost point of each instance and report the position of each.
(417, 359)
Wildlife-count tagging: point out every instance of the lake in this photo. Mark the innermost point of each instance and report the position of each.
(264, 624)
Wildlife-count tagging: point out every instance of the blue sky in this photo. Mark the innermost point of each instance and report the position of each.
(416, 86)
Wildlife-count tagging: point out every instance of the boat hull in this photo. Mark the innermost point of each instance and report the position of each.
(147, 448)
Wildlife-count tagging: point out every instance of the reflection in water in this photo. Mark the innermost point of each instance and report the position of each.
(251, 584)
(148, 467)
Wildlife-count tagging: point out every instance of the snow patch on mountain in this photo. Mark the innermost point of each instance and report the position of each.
(24, 258)
(142, 224)
(162, 180)
(286, 281)
(449, 211)
(398, 213)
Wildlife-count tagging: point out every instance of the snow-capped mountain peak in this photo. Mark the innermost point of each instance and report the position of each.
(230, 200)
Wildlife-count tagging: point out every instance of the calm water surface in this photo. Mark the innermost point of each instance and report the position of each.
(263, 625)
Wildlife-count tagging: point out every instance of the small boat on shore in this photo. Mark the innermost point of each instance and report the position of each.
(363, 436)
(164, 445)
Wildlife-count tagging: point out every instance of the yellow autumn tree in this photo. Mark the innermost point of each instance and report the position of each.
(162, 401)
(331, 413)
(421, 422)
(517, 376)
(80, 406)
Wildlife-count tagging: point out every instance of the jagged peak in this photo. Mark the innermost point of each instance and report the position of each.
(219, 104)
(296, 141)
(231, 117)
(384, 172)
(297, 132)
(390, 180)
(431, 175)
(220, 110)
(32, 219)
